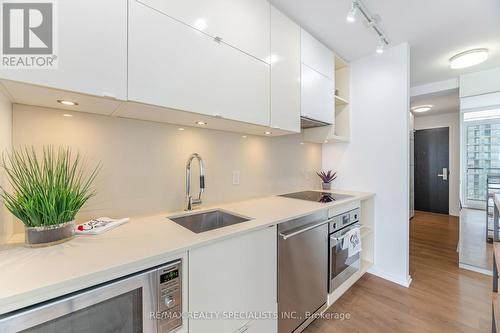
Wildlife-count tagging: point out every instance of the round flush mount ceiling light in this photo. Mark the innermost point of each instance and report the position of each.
(66, 102)
(421, 108)
(468, 58)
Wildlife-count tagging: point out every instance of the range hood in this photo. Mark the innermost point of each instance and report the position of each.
(311, 123)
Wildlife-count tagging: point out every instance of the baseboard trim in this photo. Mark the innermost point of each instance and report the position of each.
(475, 269)
(402, 282)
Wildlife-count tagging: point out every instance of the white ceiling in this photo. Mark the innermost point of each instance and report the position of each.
(435, 29)
(442, 102)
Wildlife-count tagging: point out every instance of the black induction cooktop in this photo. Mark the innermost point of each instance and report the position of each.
(323, 197)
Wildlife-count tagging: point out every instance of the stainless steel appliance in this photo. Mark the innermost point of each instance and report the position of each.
(150, 301)
(341, 266)
(323, 197)
(302, 270)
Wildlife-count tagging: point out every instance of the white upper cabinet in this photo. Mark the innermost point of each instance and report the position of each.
(285, 72)
(236, 275)
(317, 80)
(243, 24)
(317, 100)
(316, 55)
(91, 49)
(176, 66)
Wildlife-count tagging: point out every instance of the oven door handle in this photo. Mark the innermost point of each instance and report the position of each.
(308, 227)
(357, 225)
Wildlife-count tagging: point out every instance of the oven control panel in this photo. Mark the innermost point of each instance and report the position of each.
(170, 297)
(340, 221)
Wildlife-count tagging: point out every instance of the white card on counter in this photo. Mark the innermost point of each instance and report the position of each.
(99, 225)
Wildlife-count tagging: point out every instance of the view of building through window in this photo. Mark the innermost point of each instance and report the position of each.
(482, 130)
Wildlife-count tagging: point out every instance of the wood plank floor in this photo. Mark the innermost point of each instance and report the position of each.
(441, 298)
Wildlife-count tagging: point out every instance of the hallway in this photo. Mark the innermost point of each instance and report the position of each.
(441, 298)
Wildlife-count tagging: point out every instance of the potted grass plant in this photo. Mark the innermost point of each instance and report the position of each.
(48, 190)
(327, 177)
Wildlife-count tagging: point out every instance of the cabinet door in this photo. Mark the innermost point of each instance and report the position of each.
(316, 55)
(91, 50)
(244, 24)
(317, 93)
(234, 275)
(176, 66)
(285, 72)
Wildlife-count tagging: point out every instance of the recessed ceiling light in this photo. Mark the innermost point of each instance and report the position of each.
(326, 141)
(67, 115)
(66, 102)
(268, 133)
(201, 123)
(181, 129)
(244, 136)
(421, 108)
(302, 143)
(468, 58)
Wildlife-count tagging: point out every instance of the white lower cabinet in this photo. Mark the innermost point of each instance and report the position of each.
(235, 276)
(178, 67)
(317, 93)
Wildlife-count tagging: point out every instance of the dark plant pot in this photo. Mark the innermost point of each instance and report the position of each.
(326, 186)
(49, 235)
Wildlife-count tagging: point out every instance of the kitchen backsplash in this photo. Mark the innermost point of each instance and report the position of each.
(6, 225)
(143, 163)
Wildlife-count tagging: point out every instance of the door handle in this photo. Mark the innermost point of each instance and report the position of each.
(444, 174)
(306, 228)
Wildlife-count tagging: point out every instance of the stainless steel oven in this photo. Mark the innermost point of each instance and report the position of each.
(341, 266)
(149, 301)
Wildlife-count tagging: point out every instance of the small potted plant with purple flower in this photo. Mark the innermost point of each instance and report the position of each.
(327, 177)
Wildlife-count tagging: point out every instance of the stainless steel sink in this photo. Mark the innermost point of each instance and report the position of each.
(208, 220)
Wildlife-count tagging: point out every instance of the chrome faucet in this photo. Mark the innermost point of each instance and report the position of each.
(190, 202)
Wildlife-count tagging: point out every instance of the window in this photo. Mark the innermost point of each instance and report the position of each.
(482, 130)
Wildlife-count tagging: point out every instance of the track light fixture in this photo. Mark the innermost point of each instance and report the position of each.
(351, 16)
(380, 47)
(372, 22)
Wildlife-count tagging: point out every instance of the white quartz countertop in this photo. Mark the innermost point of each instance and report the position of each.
(30, 276)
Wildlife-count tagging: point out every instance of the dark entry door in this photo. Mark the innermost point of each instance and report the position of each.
(432, 170)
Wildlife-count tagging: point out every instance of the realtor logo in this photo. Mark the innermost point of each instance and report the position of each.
(28, 34)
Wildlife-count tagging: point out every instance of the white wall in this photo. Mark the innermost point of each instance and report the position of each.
(377, 158)
(451, 120)
(478, 83)
(143, 163)
(6, 227)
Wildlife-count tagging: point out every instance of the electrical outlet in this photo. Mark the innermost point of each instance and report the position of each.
(236, 178)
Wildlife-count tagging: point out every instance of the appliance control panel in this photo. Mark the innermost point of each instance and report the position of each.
(169, 279)
(343, 220)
